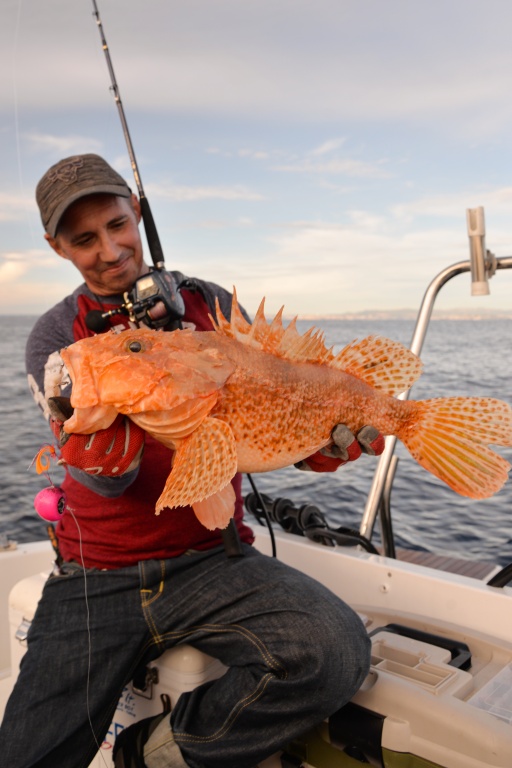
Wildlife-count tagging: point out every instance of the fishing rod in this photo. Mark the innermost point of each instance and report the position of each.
(160, 287)
(175, 306)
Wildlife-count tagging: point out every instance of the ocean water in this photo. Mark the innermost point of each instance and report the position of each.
(461, 357)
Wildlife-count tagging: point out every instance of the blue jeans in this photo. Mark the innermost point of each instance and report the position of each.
(295, 653)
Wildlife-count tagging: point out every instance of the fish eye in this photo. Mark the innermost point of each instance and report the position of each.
(135, 346)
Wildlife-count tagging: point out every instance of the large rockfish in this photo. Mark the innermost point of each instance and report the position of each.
(257, 397)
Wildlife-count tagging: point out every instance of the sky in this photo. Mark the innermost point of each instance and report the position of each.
(320, 153)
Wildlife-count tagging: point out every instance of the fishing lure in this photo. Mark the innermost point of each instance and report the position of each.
(50, 502)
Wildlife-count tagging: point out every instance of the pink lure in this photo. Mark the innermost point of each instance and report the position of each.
(49, 503)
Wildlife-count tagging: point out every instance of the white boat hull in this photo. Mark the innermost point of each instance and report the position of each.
(427, 708)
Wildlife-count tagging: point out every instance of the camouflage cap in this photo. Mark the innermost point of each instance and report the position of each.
(73, 178)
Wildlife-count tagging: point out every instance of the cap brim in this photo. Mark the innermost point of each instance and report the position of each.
(108, 189)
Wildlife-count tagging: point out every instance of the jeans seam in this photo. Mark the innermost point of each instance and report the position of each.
(277, 670)
(273, 668)
(146, 603)
(276, 667)
(266, 655)
(182, 737)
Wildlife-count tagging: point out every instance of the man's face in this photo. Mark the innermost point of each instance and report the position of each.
(100, 235)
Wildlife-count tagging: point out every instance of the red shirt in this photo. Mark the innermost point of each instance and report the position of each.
(118, 532)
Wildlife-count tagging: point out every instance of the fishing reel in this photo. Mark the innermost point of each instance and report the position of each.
(154, 300)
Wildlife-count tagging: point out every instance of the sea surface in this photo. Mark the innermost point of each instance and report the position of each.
(461, 357)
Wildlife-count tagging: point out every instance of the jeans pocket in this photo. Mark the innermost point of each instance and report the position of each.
(68, 570)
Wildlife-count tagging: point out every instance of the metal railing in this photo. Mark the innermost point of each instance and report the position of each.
(482, 265)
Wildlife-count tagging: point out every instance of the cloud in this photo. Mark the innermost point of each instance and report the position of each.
(15, 264)
(339, 167)
(35, 301)
(313, 264)
(33, 280)
(61, 146)
(189, 194)
(122, 164)
(244, 152)
(499, 200)
(328, 146)
(367, 221)
(324, 159)
(320, 61)
(15, 207)
(218, 151)
(243, 222)
(296, 102)
(254, 154)
(10, 271)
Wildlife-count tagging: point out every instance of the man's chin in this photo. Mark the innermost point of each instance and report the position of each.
(115, 281)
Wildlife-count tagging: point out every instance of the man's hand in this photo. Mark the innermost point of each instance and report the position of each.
(109, 452)
(345, 447)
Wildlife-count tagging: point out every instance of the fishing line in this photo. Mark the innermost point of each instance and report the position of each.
(15, 91)
(50, 504)
(16, 112)
(89, 638)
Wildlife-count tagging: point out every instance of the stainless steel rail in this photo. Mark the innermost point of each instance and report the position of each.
(380, 477)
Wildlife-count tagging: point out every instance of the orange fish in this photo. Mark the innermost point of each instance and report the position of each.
(258, 397)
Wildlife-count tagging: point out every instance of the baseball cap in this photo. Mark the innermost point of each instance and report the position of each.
(73, 178)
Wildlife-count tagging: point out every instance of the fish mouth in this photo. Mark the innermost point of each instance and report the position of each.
(60, 408)
(85, 413)
(85, 421)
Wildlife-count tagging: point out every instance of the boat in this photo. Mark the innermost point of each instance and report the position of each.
(439, 690)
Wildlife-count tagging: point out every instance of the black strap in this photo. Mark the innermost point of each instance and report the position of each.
(231, 540)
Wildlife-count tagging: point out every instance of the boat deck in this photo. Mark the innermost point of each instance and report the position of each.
(472, 568)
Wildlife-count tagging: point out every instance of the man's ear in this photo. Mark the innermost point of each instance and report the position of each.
(54, 243)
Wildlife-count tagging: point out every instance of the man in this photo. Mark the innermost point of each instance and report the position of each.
(130, 584)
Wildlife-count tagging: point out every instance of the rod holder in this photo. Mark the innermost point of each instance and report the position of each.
(478, 253)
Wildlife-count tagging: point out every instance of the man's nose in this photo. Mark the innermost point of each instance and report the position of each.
(110, 249)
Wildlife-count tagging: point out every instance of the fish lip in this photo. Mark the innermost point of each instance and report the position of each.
(105, 415)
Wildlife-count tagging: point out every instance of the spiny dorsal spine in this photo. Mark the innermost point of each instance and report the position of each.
(382, 363)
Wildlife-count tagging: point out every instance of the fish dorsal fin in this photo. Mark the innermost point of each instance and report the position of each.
(273, 337)
(384, 364)
(238, 327)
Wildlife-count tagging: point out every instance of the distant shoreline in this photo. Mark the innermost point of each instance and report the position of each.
(410, 314)
(377, 314)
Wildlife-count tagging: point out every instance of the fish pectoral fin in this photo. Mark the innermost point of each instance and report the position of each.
(216, 511)
(203, 465)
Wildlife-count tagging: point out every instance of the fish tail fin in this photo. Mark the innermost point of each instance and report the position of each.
(449, 437)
